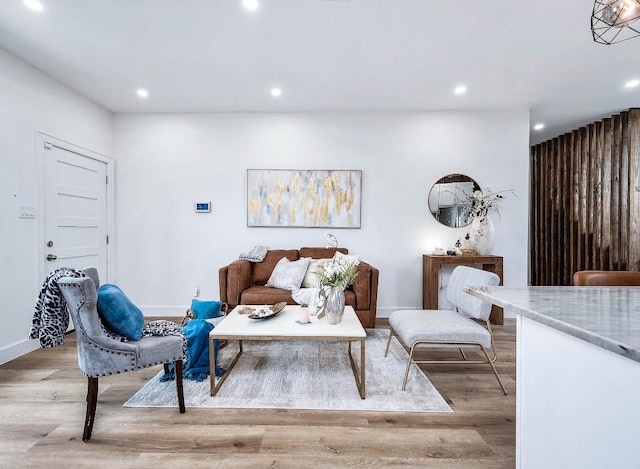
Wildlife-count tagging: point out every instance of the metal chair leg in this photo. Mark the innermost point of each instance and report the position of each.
(388, 341)
(406, 371)
(495, 372)
(92, 401)
(178, 368)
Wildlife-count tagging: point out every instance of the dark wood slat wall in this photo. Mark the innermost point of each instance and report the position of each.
(585, 201)
(634, 192)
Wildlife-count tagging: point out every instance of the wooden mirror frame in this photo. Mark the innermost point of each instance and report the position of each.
(447, 202)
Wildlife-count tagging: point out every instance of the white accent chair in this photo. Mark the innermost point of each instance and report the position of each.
(445, 329)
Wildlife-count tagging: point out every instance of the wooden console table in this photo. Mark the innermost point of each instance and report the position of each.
(431, 273)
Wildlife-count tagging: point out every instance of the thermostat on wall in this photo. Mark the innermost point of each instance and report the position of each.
(203, 207)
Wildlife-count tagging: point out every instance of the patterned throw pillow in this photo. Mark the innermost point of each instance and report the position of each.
(310, 279)
(288, 274)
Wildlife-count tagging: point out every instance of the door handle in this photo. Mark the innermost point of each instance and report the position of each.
(51, 257)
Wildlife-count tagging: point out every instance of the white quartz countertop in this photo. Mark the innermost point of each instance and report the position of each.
(608, 317)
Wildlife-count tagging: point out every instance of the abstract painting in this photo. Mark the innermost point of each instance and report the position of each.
(304, 198)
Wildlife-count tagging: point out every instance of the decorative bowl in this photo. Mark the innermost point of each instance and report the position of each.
(267, 312)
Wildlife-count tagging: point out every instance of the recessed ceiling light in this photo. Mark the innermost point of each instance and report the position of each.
(141, 92)
(460, 89)
(276, 92)
(251, 5)
(538, 126)
(34, 5)
(632, 83)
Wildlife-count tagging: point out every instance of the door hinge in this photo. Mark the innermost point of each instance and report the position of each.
(48, 146)
(107, 239)
(106, 178)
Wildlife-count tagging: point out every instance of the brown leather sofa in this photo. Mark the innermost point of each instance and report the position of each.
(243, 282)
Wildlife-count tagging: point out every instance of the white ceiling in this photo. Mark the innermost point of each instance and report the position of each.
(331, 55)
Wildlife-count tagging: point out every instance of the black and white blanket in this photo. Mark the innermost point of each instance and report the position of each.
(160, 327)
(51, 319)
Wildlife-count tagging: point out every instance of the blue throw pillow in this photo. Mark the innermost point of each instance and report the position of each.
(118, 313)
(206, 309)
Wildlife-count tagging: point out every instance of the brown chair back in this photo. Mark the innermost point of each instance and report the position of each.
(606, 278)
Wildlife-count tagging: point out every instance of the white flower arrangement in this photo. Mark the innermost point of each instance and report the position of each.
(336, 274)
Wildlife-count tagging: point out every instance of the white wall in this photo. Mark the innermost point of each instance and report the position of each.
(32, 102)
(168, 161)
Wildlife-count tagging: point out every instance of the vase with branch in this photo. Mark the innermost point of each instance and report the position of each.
(479, 204)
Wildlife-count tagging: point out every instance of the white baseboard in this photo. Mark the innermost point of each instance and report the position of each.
(164, 311)
(384, 312)
(18, 349)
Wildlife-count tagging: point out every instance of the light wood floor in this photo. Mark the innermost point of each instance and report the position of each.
(42, 405)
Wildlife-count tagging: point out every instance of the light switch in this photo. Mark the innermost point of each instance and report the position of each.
(26, 211)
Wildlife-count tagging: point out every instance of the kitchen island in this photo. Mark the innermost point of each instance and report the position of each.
(577, 374)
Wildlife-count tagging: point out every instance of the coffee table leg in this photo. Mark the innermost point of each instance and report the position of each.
(213, 362)
(362, 370)
(360, 380)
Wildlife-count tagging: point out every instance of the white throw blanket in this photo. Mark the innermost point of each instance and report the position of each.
(310, 297)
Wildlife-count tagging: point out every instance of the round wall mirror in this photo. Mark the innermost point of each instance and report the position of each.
(447, 201)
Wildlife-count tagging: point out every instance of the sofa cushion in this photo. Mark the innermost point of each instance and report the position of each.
(261, 295)
(288, 274)
(320, 253)
(261, 271)
(345, 259)
(350, 298)
(310, 279)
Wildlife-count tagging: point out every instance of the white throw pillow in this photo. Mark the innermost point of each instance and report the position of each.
(344, 259)
(288, 274)
(310, 279)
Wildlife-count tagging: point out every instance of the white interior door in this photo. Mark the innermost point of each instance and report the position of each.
(75, 207)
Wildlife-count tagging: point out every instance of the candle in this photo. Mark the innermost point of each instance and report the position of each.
(304, 314)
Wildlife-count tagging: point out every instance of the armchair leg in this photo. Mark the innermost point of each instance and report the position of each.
(92, 401)
(406, 371)
(495, 372)
(386, 352)
(178, 367)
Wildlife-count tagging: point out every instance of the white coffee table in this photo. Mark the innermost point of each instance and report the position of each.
(283, 326)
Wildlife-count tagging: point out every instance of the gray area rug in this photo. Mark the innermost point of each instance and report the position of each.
(306, 375)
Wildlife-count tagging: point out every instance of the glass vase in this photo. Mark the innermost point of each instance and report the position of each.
(334, 304)
(482, 235)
